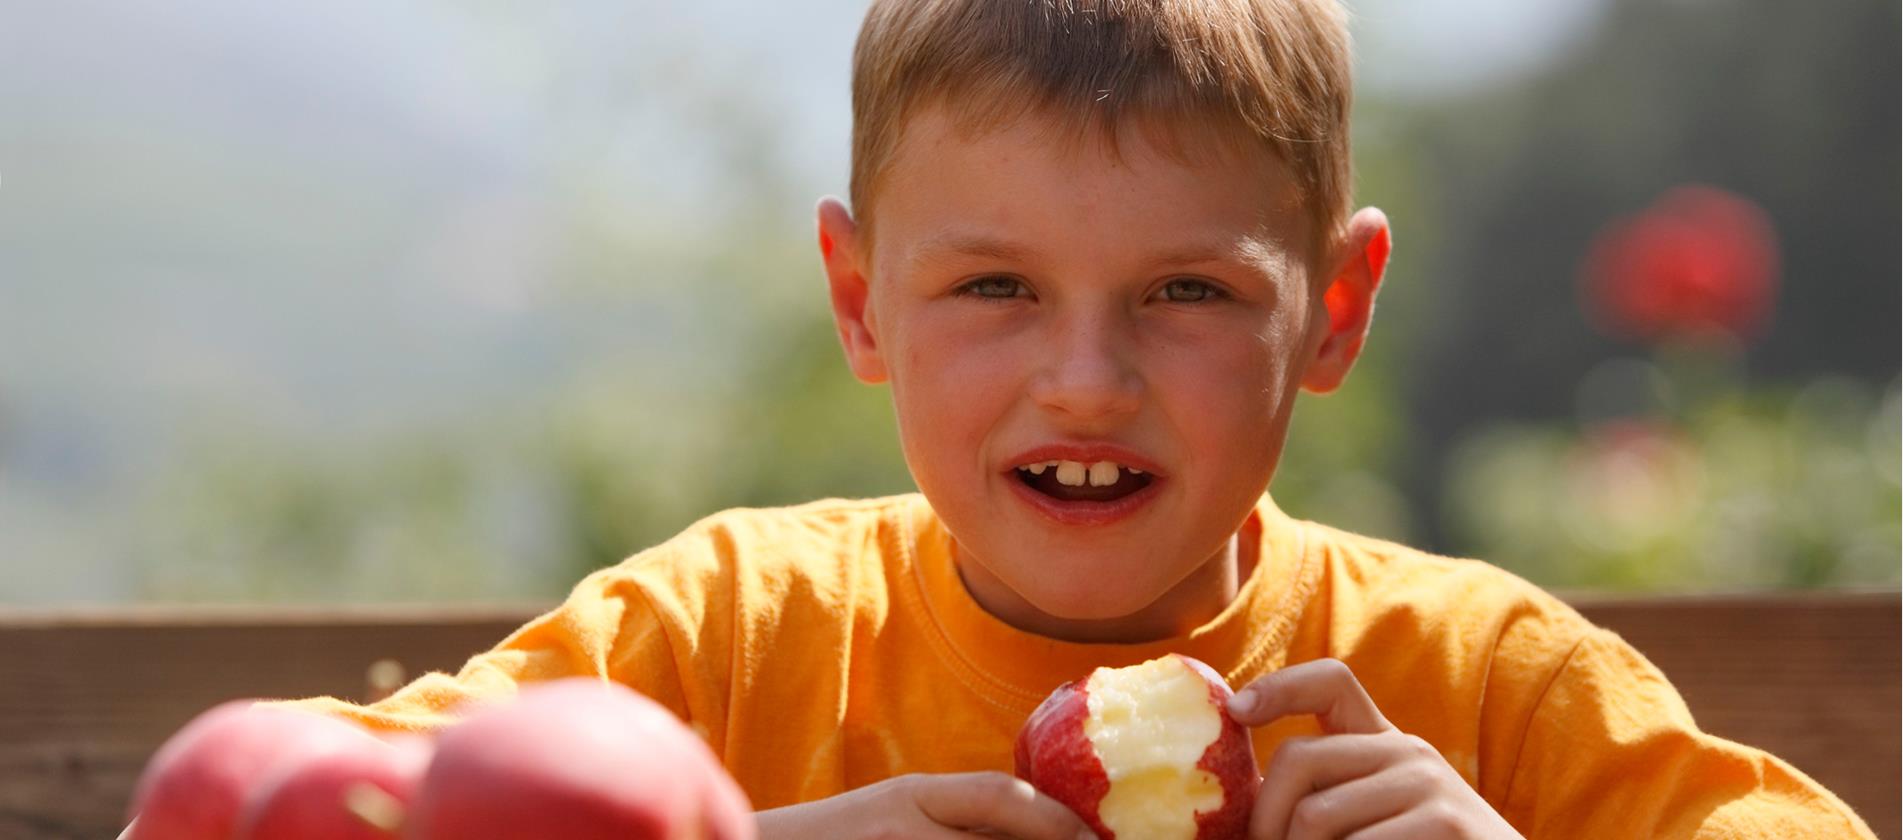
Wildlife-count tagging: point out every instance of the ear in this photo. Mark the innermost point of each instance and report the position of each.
(839, 248)
(1342, 322)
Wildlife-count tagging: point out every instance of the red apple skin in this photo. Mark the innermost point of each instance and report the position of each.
(195, 784)
(578, 759)
(1055, 756)
(307, 800)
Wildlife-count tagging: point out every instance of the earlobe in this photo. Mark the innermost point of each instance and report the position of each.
(1349, 300)
(850, 290)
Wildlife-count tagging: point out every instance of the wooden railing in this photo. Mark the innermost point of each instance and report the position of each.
(86, 696)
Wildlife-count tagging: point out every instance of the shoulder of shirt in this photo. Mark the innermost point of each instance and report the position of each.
(805, 539)
(1384, 573)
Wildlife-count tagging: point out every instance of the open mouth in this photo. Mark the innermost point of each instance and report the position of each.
(1076, 481)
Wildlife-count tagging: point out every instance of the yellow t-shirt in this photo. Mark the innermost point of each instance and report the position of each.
(824, 647)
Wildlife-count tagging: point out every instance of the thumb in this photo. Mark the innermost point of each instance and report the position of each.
(996, 802)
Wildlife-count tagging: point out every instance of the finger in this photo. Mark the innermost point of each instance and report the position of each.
(924, 829)
(1359, 803)
(928, 830)
(1303, 766)
(997, 802)
(1413, 824)
(1324, 688)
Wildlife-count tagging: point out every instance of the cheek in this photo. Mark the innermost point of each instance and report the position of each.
(1227, 396)
(950, 388)
(1233, 379)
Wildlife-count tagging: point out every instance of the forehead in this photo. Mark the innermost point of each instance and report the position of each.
(1035, 183)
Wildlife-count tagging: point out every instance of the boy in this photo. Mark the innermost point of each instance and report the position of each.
(1095, 249)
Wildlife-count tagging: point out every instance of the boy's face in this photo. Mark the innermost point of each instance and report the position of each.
(1033, 301)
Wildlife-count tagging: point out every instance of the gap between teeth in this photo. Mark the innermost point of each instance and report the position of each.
(1077, 473)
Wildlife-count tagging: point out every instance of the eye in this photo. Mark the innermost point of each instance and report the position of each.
(1190, 290)
(994, 288)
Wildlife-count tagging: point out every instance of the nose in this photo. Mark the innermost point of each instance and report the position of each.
(1088, 370)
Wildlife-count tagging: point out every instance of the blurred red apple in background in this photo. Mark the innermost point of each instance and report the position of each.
(577, 759)
(1147, 752)
(195, 784)
(356, 794)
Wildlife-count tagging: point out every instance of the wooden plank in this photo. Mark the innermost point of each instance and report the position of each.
(85, 696)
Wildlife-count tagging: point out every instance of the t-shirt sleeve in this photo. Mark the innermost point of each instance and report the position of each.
(1612, 751)
(639, 623)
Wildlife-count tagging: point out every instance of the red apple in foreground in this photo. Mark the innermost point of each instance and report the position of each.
(356, 794)
(1147, 752)
(195, 784)
(577, 759)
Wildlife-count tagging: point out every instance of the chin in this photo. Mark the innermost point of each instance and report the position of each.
(1091, 603)
(1083, 585)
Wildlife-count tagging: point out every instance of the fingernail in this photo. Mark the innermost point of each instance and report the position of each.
(1242, 702)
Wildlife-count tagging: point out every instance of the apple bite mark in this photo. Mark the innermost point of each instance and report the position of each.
(1150, 725)
(1146, 752)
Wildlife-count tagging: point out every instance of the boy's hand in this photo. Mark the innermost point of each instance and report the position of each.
(1364, 779)
(986, 804)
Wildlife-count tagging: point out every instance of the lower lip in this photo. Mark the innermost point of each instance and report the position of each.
(1084, 513)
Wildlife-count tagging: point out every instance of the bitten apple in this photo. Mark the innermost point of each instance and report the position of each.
(1147, 752)
(195, 784)
(354, 794)
(578, 759)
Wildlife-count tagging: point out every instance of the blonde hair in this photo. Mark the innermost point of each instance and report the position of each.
(1265, 73)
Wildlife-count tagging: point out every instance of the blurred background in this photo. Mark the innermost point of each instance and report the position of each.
(366, 302)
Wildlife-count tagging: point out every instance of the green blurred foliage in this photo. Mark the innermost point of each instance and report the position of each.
(1746, 487)
(580, 474)
(266, 520)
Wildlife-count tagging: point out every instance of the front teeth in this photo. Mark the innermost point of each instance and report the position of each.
(1078, 473)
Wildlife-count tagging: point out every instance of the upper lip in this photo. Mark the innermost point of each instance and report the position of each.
(1085, 453)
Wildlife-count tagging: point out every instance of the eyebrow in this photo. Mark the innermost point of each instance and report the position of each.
(968, 245)
(1251, 250)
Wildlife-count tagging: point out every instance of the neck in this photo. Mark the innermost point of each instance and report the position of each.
(1192, 603)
